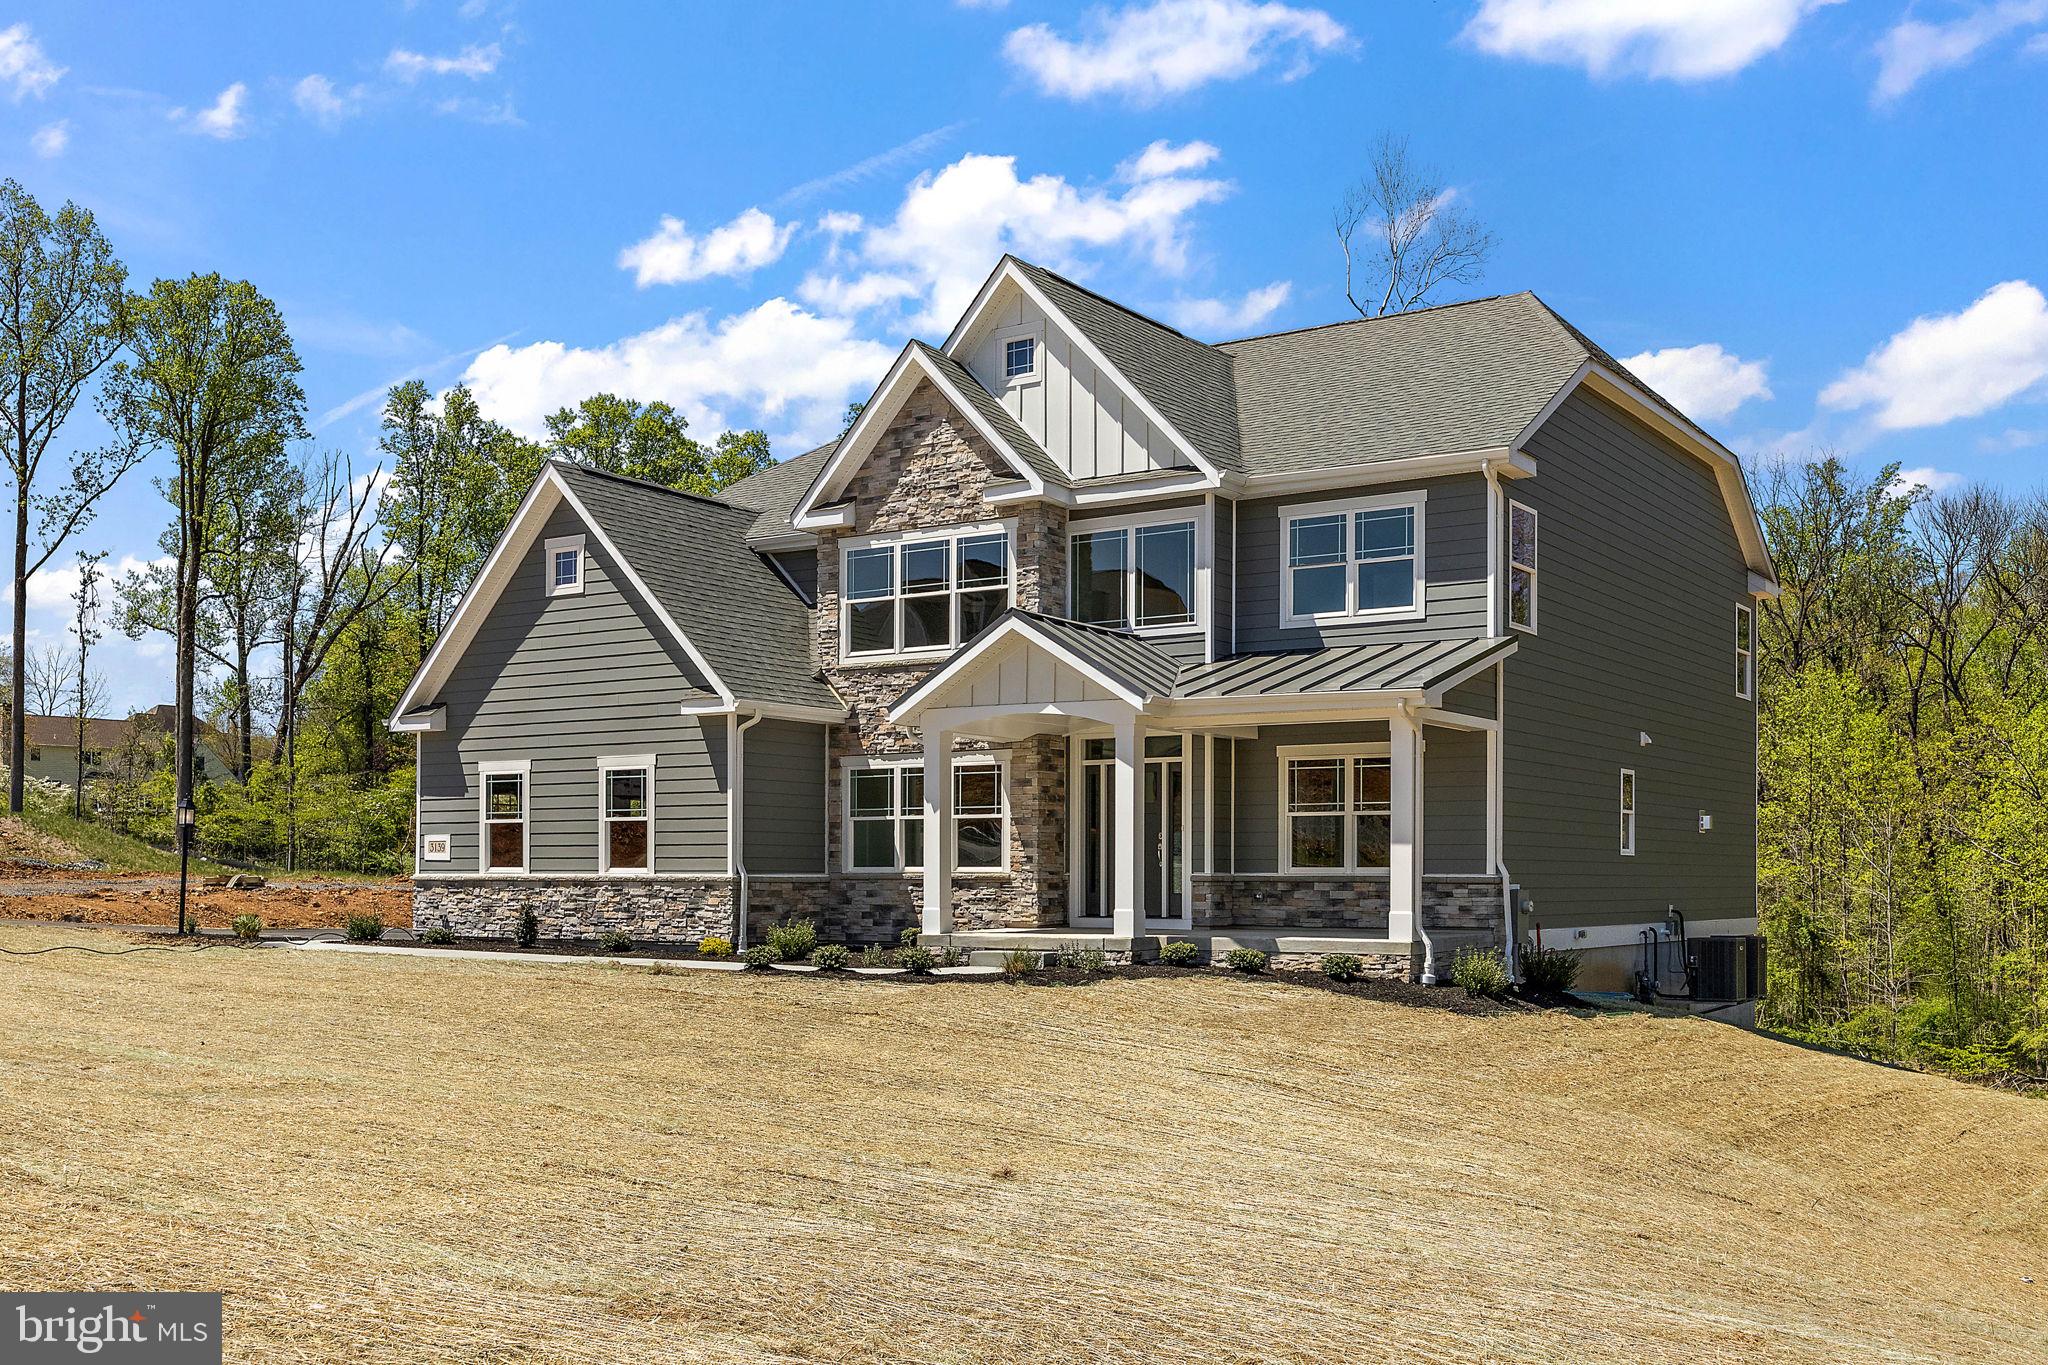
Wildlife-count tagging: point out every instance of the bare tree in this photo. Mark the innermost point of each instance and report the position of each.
(1404, 234)
(48, 681)
(89, 689)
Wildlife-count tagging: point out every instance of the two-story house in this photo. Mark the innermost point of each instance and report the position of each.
(1326, 640)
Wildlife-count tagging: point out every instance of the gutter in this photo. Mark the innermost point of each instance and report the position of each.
(738, 832)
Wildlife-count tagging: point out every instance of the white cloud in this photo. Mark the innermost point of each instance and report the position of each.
(1705, 382)
(1225, 317)
(24, 65)
(672, 256)
(1148, 52)
(1685, 40)
(1162, 158)
(221, 119)
(1953, 365)
(869, 166)
(51, 139)
(2010, 440)
(2036, 46)
(319, 100)
(1926, 479)
(786, 367)
(1914, 50)
(845, 297)
(953, 225)
(473, 61)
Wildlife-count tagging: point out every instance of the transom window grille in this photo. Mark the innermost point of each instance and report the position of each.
(923, 595)
(1339, 812)
(1354, 563)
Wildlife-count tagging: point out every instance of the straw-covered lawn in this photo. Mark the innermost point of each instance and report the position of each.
(403, 1160)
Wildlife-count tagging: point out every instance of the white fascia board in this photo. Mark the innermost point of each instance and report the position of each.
(1280, 709)
(433, 720)
(1081, 495)
(484, 590)
(1403, 470)
(783, 542)
(921, 696)
(1760, 586)
(854, 447)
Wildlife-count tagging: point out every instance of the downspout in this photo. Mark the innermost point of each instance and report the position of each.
(738, 833)
(1510, 930)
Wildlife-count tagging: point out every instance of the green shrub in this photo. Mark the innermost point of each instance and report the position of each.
(615, 941)
(1019, 962)
(1091, 959)
(910, 937)
(1550, 970)
(715, 947)
(761, 957)
(364, 928)
(248, 927)
(1250, 961)
(949, 956)
(833, 957)
(1343, 966)
(874, 955)
(438, 934)
(1480, 971)
(529, 928)
(916, 959)
(793, 940)
(1180, 953)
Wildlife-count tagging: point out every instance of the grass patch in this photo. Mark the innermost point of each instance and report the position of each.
(119, 852)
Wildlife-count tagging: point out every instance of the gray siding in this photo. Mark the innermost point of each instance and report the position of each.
(1640, 573)
(785, 795)
(561, 682)
(801, 566)
(1223, 605)
(1257, 802)
(1454, 570)
(1475, 695)
(1453, 800)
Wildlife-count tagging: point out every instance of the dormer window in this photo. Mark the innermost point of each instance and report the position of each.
(1020, 357)
(563, 562)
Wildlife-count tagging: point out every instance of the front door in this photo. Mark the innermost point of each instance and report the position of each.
(1162, 837)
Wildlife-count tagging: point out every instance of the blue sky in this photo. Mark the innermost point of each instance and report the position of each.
(1818, 225)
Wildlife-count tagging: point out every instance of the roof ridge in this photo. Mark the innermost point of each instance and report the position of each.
(633, 482)
(1104, 298)
(1384, 317)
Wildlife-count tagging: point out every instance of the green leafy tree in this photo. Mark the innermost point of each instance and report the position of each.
(651, 441)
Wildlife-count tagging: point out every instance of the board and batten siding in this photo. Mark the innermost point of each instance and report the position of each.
(1639, 575)
(561, 682)
(1453, 566)
(785, 777)
(1077, 413)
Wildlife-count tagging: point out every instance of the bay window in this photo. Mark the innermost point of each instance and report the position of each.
(1135, 573)
(922, 594)
(1337, 809)
(884, 819)
(1359, 560)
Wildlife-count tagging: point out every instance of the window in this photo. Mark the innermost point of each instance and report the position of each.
(1745, 651)
(1337, 809)
(626, 789)
(1020, 357)
(1358, 560)
(504, 817)
(1135, 573)
(923, 595)
(1628, 812)
(564, 562)
(885, 814)
(1521, 567)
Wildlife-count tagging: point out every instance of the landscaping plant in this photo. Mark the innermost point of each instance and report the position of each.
(1250, 961)
(615, 941)
(1019, 962)
(916, 959)
(874, 955)
(1551, 971)
(833, 957)
(247, 927)
(1343, 966)
(364, 928)
(1180, 953)
(529, 928)
(437, 935)
(793, 940)
(1480, 971)
(715, 947)
(761, 957)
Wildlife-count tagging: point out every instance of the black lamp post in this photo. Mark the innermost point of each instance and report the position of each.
(186, 815)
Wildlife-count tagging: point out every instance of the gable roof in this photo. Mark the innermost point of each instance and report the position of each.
(996, 415)
(772, 494)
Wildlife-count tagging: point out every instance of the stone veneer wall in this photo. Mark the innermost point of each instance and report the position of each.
(1349, 904)
(651, 909)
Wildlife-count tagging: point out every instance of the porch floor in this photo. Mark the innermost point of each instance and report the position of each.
(1213, 940)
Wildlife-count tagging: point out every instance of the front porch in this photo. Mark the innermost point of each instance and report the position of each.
(1292, 823)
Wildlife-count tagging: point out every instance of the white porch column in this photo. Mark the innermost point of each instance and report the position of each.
(1127, 827)
(1404, 853)
(938, 831)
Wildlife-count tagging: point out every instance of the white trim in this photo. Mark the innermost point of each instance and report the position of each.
(1494, 496)
(522, 768)
(606, 766)
(435, 721)
(1346, 814)
(1441, 689)
(1199, 517)
(950, 537)
(1513, 464)
(1413, 500)
(921, 697)
(1033, 332)
(897, 764)
(1534, 570)
(560, 545)
(1629, 797)
(1624, 935)
(1745, 651)
(1113, 492)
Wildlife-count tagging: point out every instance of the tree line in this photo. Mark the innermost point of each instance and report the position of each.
(299, 586)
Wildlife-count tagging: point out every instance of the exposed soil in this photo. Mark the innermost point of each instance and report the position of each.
(22, 845)
(150, 898)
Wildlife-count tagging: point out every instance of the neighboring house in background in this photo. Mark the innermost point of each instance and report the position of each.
(138, 740)
(1085, 631)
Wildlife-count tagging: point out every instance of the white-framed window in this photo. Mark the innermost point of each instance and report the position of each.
(883, 816)
(1745, 651)
(563, 564)
(1356, 560)
(923, 593)
(1522, 567)
(1628, 812)
(625, 796)
(502, 840)
(1019, 355)
(1336, 808)
(1142, 572)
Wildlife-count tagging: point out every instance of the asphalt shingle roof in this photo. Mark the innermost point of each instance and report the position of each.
(692, 554)
(774, 492)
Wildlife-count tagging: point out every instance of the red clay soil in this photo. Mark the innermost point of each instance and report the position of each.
(149, 898)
